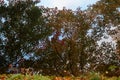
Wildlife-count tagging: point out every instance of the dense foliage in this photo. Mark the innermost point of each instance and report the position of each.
(22, 28)
(60, 42)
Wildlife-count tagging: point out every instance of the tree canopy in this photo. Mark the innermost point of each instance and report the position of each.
(22, 28)
(59, 41)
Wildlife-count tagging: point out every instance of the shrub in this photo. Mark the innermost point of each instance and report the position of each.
(95, 76)
(16, 77)
(40, 77)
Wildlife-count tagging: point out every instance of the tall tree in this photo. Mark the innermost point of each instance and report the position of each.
(22, 29)
(72, 52)
(107, 17)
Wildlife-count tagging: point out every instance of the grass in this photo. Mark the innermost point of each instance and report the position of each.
(91, 76)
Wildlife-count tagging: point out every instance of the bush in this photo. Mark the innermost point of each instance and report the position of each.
(40, 77)
(91, 76)
(95, 76)
(26, 77)
(15, 77)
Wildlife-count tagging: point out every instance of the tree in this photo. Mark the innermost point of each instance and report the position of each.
(22, 28)
(107, 17)
(72, 52)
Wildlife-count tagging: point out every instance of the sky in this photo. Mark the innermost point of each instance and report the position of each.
(69, 4)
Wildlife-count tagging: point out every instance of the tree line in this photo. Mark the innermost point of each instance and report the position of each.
(59, 40)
